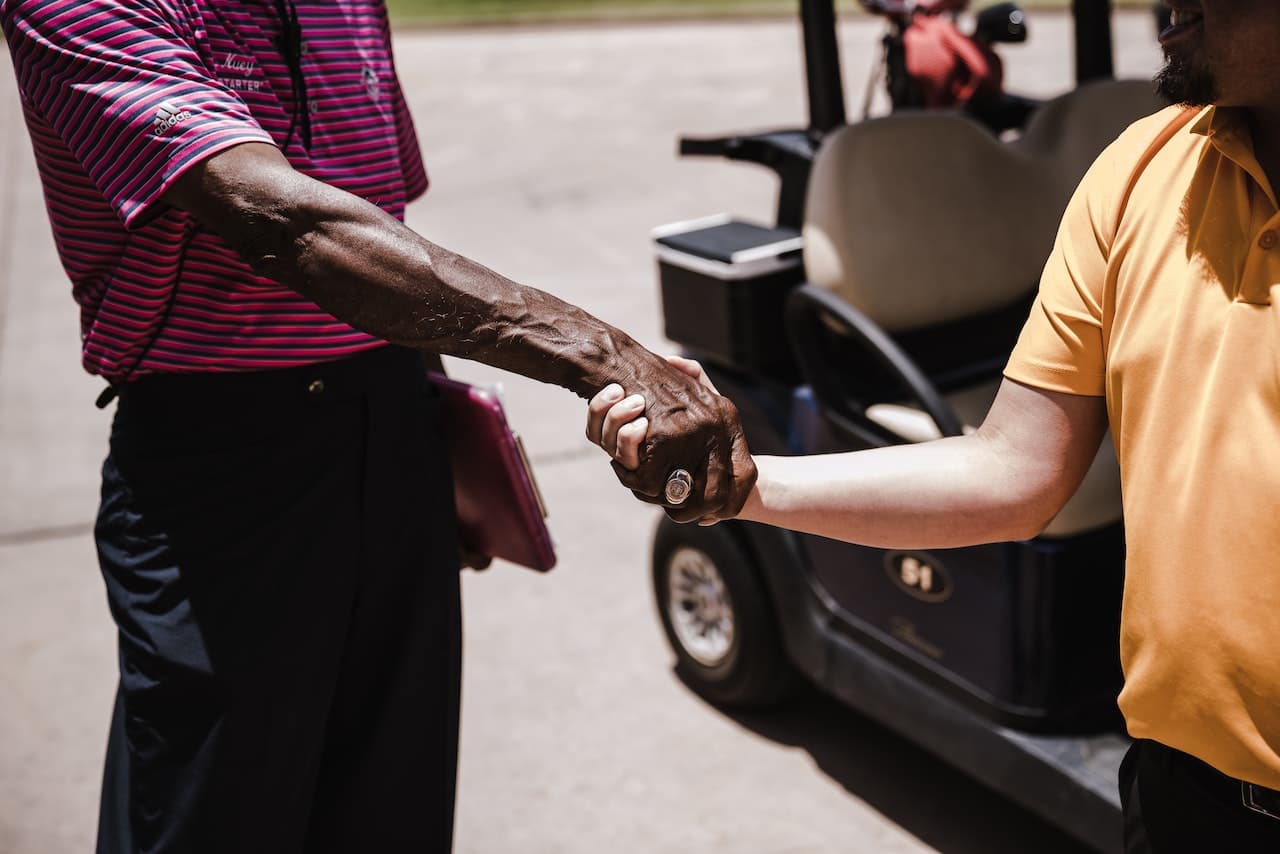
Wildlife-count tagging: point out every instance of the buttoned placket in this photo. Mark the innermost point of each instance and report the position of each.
(1262, 267)
(1262, 264)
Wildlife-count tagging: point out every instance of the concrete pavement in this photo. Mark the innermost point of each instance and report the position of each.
(551, 153)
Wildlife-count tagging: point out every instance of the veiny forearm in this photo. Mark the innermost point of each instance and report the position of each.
(949, 493)
(368, 269)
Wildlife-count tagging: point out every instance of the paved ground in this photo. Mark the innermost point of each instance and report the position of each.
(552, 157)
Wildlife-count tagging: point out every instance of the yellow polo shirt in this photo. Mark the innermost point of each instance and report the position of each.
(1161, 294)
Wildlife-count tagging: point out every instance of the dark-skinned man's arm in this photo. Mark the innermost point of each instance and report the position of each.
(368, 269)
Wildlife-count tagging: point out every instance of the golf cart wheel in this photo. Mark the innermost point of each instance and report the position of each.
(716, 616)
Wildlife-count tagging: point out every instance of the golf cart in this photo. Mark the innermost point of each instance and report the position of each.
(879, 308)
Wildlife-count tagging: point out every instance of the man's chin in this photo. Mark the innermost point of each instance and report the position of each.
(1183, 83)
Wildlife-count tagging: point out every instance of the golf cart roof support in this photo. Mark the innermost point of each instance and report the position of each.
(822, 66)
(1093, 39)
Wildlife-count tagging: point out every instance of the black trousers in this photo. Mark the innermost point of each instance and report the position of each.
(281, 562)
(1174, 803)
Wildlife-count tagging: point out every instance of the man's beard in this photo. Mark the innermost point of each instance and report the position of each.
(1182, 83)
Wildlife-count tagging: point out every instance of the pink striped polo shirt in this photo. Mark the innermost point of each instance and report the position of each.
(122, 96)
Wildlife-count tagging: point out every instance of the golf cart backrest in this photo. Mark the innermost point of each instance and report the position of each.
(924, 239)
(918, 219)
(1074, 128)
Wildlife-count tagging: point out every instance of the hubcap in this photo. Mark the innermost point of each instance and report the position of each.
(699, 606)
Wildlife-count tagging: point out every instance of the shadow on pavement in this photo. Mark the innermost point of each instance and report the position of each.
(933, 801)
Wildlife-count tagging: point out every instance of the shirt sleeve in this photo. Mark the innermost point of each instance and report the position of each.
(123, 86)
(1062, 347)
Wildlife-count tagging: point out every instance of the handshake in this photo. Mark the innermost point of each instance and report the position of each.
(676, 442)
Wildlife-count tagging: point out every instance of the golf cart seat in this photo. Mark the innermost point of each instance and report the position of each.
(1074, 128)
(925, 237)
(918, 218)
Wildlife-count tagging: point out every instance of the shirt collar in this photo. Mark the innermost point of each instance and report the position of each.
(1227, 130)
(1216, 120)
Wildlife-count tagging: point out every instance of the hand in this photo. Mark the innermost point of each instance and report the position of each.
(693, 368)
(624, 425)
(648, 442)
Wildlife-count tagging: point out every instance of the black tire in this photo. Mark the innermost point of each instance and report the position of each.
(753, 670)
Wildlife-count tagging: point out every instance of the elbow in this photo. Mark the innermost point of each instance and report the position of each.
(272, 235)
(255, 202)
(1029, 527)
(1025, 492)
(1025, 509)
(1032, 514)
(280, 257)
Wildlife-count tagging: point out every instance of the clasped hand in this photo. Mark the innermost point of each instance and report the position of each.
(675, 420)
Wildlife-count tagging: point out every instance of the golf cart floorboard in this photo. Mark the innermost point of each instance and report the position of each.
(1069, 780)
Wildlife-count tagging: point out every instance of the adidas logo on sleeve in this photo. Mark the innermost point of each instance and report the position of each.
(168, 116)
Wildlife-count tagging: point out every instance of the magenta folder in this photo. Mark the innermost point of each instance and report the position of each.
(500, 510)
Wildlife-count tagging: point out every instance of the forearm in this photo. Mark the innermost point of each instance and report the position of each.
(370, 270)
(949, 493)
(386, 280)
